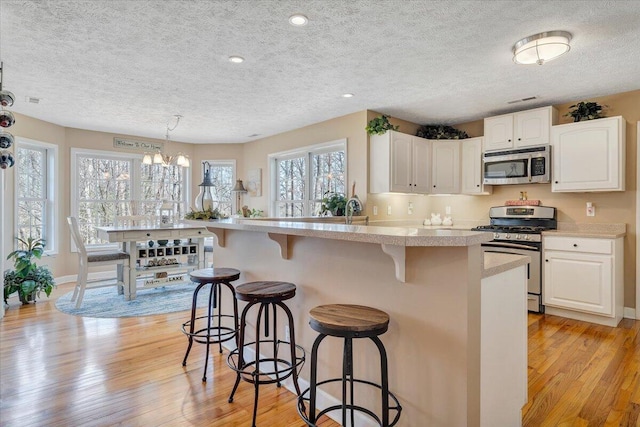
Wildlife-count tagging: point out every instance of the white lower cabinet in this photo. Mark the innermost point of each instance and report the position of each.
(583, 278)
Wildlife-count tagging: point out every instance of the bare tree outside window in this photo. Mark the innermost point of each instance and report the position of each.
(303, 178)
(222, 173)
(31, 179)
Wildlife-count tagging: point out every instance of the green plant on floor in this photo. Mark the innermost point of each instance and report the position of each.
(205, 214)
(27, 278)
(583, 111)
(379, 126)
(333, 203)
(440, 132)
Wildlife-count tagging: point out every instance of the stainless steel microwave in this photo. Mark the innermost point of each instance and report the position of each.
(518, 166)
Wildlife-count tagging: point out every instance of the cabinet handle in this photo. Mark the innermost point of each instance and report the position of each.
(556, 182)
(519, 139)
(546, 260)
(508, 140)
(199, 232)
(148, 234)
(477, 185)
(575, 245)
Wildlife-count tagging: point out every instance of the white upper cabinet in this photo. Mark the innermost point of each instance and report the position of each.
(471, 167)
(521, 129)
(399, 163)
(589, 156)
(445, 176)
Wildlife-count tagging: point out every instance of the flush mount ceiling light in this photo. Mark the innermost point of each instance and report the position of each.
(541, 48)
(298, 20)
(236, 59)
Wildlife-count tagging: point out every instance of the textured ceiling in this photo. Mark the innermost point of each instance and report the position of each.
(128, 66)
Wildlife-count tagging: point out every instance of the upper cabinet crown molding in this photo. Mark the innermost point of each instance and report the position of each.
(521, 129)
(589, 156)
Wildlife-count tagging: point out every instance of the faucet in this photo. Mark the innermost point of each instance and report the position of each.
(356, 207)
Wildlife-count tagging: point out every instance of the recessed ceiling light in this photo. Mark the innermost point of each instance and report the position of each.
(347, 95)
(298, 20)
(236, 59)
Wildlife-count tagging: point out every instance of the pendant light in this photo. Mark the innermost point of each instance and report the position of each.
(204, 200)
(7, 119)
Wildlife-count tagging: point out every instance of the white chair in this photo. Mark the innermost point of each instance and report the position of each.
(91, 259)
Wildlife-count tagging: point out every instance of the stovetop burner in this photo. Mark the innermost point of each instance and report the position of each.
(512, 229)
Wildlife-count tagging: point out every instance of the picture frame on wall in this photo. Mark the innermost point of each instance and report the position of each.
(254, 182)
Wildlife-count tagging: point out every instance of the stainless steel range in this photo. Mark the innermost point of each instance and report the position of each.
(518, 230)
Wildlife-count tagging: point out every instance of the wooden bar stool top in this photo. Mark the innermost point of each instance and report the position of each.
(211, 275)
(341, 319)
(265, 291)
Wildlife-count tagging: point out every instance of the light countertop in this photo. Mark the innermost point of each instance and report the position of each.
(496, 263)
(398, 236)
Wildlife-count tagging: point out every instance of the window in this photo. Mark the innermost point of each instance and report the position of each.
(302, 177)
(35, 192)
(223, 177)
(107, 185)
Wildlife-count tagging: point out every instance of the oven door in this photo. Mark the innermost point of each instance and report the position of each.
(534, 271)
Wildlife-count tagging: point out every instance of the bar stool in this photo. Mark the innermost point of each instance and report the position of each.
(259, 371)
(200, 328)
(348, 322)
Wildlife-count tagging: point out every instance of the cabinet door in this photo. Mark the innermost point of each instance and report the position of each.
(446, 167)
(498, 132)
(578, 281)
(421, 165)
(588, 156)
(401, 162)
(532, 127)
(471, 167)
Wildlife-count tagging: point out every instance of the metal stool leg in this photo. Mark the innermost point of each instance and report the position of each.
(212, 303)
(384, 380)
(243, 324)
(194, 306)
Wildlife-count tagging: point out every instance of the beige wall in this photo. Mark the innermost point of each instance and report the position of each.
(618, 207)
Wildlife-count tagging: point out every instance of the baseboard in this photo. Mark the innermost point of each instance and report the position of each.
(98, 275)
(629, 313)
(324, 399)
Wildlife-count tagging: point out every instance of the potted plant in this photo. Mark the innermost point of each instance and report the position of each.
(586, 111)
(379, 126)
(207, 214)
(27, 278)
(333, 203)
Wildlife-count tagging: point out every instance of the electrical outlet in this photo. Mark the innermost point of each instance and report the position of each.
(447, 210)
(388, 209)
(410, 208)
(287, 334)
(375, 210)
(591, 210)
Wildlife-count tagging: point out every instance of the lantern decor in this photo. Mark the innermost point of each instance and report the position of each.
(204, 200)
(239, 189)
(166, 214)
(7, 119)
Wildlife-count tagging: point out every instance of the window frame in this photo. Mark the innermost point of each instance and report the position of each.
(50, 151)
(136, 162)
(307, 152)
(234, 174)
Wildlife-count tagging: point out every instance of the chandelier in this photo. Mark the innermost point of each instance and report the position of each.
(164, 159)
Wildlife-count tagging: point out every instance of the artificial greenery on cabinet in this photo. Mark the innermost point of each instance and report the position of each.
(379, 126)
(583, 111)
(440, 132)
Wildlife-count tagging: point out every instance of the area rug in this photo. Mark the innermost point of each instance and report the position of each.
(105, 302)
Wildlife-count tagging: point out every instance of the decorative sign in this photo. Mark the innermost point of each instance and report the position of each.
(163, 280)
(130, 144)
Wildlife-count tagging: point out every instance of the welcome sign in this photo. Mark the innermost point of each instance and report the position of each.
(131, 144)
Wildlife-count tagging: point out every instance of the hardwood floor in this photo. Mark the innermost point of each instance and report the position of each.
(62, 370)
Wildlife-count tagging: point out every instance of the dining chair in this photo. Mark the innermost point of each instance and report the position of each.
(93, 259)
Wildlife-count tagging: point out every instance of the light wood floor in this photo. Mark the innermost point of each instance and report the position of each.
(62, 370)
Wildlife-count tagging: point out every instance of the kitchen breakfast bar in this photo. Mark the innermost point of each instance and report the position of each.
(457, 337)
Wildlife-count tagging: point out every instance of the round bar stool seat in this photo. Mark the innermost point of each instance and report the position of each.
(281, 363)
(225, 326)
(349, 321)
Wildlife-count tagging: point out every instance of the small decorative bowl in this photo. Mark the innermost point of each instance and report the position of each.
(177, 242)
(163, 242)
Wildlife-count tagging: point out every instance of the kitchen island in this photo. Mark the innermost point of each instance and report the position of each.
(445, 340)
